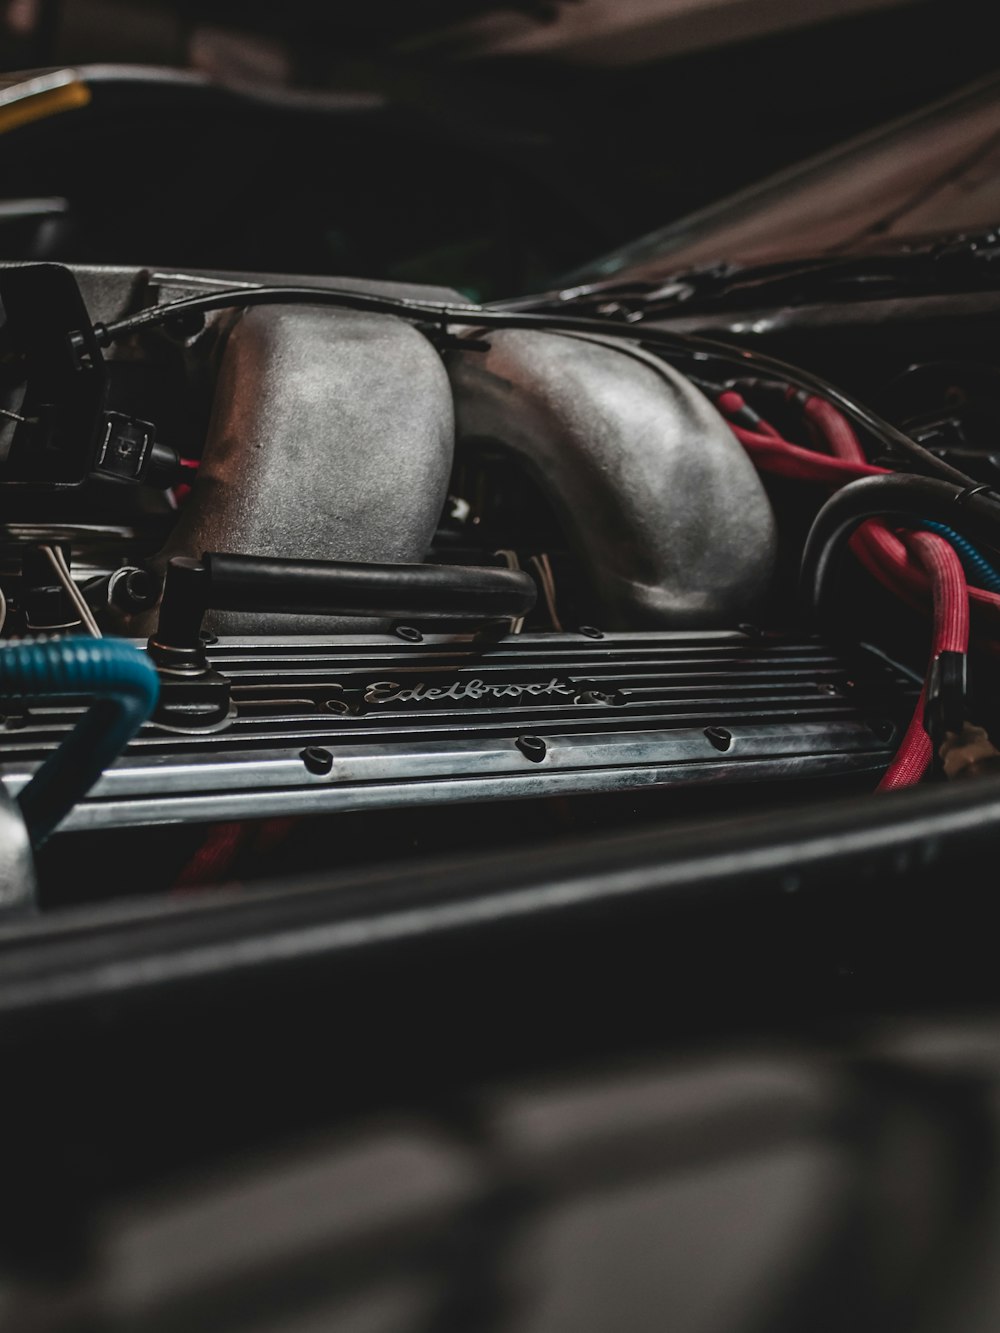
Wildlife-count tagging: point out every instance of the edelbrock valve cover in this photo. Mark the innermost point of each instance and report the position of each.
(367, 721)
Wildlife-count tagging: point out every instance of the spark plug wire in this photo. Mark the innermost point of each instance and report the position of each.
(912, 564)
(950, 635)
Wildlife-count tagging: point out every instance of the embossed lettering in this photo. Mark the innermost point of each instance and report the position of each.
(391, 691)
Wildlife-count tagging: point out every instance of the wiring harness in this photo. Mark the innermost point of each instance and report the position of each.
(926, 561)
(436, 319)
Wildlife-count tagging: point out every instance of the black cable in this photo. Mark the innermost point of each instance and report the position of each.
(483, 317)
(225, 582)
(350, 588)
(973, 511)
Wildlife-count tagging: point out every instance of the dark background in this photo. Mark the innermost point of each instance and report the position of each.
(365, 139)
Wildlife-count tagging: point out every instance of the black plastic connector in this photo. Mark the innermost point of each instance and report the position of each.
(55, 430)
(947, 704)
(129, 451)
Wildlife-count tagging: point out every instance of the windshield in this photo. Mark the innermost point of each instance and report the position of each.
(931, 173)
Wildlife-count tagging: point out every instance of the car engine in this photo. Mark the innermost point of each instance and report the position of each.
(396, 558)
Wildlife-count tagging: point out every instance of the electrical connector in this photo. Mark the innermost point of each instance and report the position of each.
(947, 702)
(129, 451)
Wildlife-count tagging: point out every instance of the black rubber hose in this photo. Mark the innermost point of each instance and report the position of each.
(336, 588)
(973, 512)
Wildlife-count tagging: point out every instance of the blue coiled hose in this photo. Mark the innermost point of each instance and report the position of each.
(976, 566)
(126, 687)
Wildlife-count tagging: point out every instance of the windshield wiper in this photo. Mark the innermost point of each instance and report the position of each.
(940, 266)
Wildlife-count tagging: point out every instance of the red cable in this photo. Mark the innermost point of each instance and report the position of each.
(913, 757)
(880, 550)
(876, 547)
(835, 429)
(773, 454)
(226, 846)
(211, 863)
(950, 635)
(733, 404)
(907, 566)
(911, 565)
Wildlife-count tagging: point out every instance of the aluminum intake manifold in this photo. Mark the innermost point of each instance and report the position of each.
(653, 492)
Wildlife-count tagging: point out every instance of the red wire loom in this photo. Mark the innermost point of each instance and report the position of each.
(917, 566)
(950, 635)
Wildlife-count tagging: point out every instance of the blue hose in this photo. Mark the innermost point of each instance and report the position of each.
(976, 566)
(127, 688)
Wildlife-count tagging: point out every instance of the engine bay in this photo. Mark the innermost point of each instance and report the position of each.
(376, 569)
